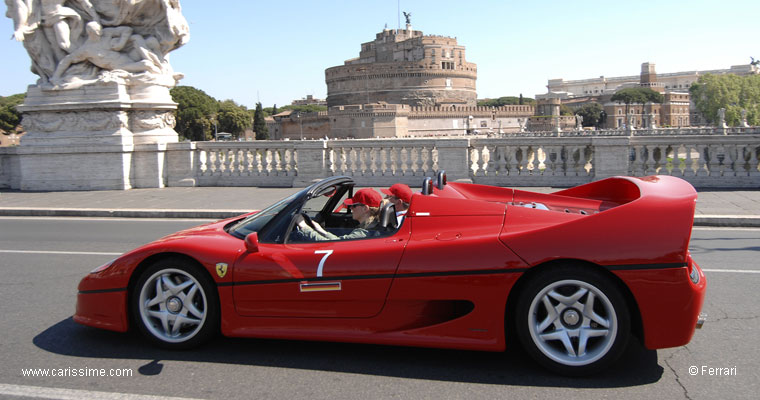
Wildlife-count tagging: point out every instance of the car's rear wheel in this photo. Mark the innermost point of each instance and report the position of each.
(174, 304)
(573, 320)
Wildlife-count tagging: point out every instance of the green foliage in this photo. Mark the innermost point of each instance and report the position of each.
(259, 125)
(732, 92)
(275, 111)
(565, 110)
(304, 109)
(196, 113)
(233, 118)
(506, 101)
(637, 95)
(591, 113)
(10, 118)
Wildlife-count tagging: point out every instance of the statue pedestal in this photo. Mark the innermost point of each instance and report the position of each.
(101, 136)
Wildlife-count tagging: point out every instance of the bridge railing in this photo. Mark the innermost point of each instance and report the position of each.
(723, 158)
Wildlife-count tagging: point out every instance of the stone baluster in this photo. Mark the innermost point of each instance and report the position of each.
(702, 161)
(550, 163)
(260, 162)
(361, 155)
(524, 160)
(424, 159)
(688, 171)
(713, 161)
(493, 159)
(382, 157)
(728, 161)
(394, 157)
(404, 158)
(203, 166)
(753, 161)
(216, 154)
(372, 154)
(649, 166)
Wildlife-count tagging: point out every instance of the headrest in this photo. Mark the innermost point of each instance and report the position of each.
(388, 216)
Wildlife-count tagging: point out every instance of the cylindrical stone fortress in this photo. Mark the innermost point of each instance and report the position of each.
(402, 66)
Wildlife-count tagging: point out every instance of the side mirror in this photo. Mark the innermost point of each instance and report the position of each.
(252, 242)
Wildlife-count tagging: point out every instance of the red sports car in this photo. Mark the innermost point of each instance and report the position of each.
(570, 275)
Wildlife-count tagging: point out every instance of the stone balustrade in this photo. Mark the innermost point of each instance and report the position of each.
(706, 157)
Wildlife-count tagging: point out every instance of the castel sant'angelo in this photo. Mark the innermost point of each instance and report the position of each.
(403, 84)
(405, 67)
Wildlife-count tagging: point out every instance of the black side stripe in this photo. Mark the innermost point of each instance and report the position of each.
(378, 276)
(624, 267)
(102, 291)
(631, 267)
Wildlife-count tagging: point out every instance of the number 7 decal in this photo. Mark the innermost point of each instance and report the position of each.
(322, 261)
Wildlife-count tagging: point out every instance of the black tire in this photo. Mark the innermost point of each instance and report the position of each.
(184, 313)
(563, 336)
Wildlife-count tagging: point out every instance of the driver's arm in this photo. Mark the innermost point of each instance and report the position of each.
(318, 234)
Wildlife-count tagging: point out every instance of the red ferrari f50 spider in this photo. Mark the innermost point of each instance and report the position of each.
(572, 274)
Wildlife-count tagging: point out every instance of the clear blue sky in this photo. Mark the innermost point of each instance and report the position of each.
(276, 52)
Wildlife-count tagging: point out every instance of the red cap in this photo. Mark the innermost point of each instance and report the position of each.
(399, 190)
(365, 196)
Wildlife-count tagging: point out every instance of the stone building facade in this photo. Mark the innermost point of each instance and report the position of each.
(403, 66)
(676, 110)
(383, 120)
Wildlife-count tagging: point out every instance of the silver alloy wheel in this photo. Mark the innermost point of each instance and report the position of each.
(572, 322)
(173, 305)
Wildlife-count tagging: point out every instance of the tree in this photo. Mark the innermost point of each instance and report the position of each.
(196, 113)
(636, 95)
(506, 101)
(274, 110)
(304, 109)
(591, 113)
(259, 125)
(732, 92)
(10, 118)
(233, 118)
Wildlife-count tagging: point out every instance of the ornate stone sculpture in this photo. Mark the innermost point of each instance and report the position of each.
(744, 123)
(408, 17)
(77, 42)
(100, 115)
(722, 118)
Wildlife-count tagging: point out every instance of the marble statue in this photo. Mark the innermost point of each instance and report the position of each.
(73, 43)
(578, 122)
(744, 123)
(722, 118)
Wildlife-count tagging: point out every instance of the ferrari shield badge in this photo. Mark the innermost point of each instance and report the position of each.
(221, 269)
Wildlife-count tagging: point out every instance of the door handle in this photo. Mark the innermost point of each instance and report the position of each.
(320, 286)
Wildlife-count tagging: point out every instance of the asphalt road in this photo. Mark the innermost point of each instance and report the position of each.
(42, 260)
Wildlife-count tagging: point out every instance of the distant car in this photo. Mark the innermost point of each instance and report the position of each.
(570, 275)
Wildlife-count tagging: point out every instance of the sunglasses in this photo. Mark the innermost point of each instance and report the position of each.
(355, 205)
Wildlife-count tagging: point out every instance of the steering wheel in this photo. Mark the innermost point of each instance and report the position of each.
(307, 219)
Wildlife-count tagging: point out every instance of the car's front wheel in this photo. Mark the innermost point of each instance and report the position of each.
(174, 304)
(573, 320)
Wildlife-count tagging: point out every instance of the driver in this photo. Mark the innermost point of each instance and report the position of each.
(365, 208)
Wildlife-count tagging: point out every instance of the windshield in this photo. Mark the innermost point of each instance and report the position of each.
(257, 221)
